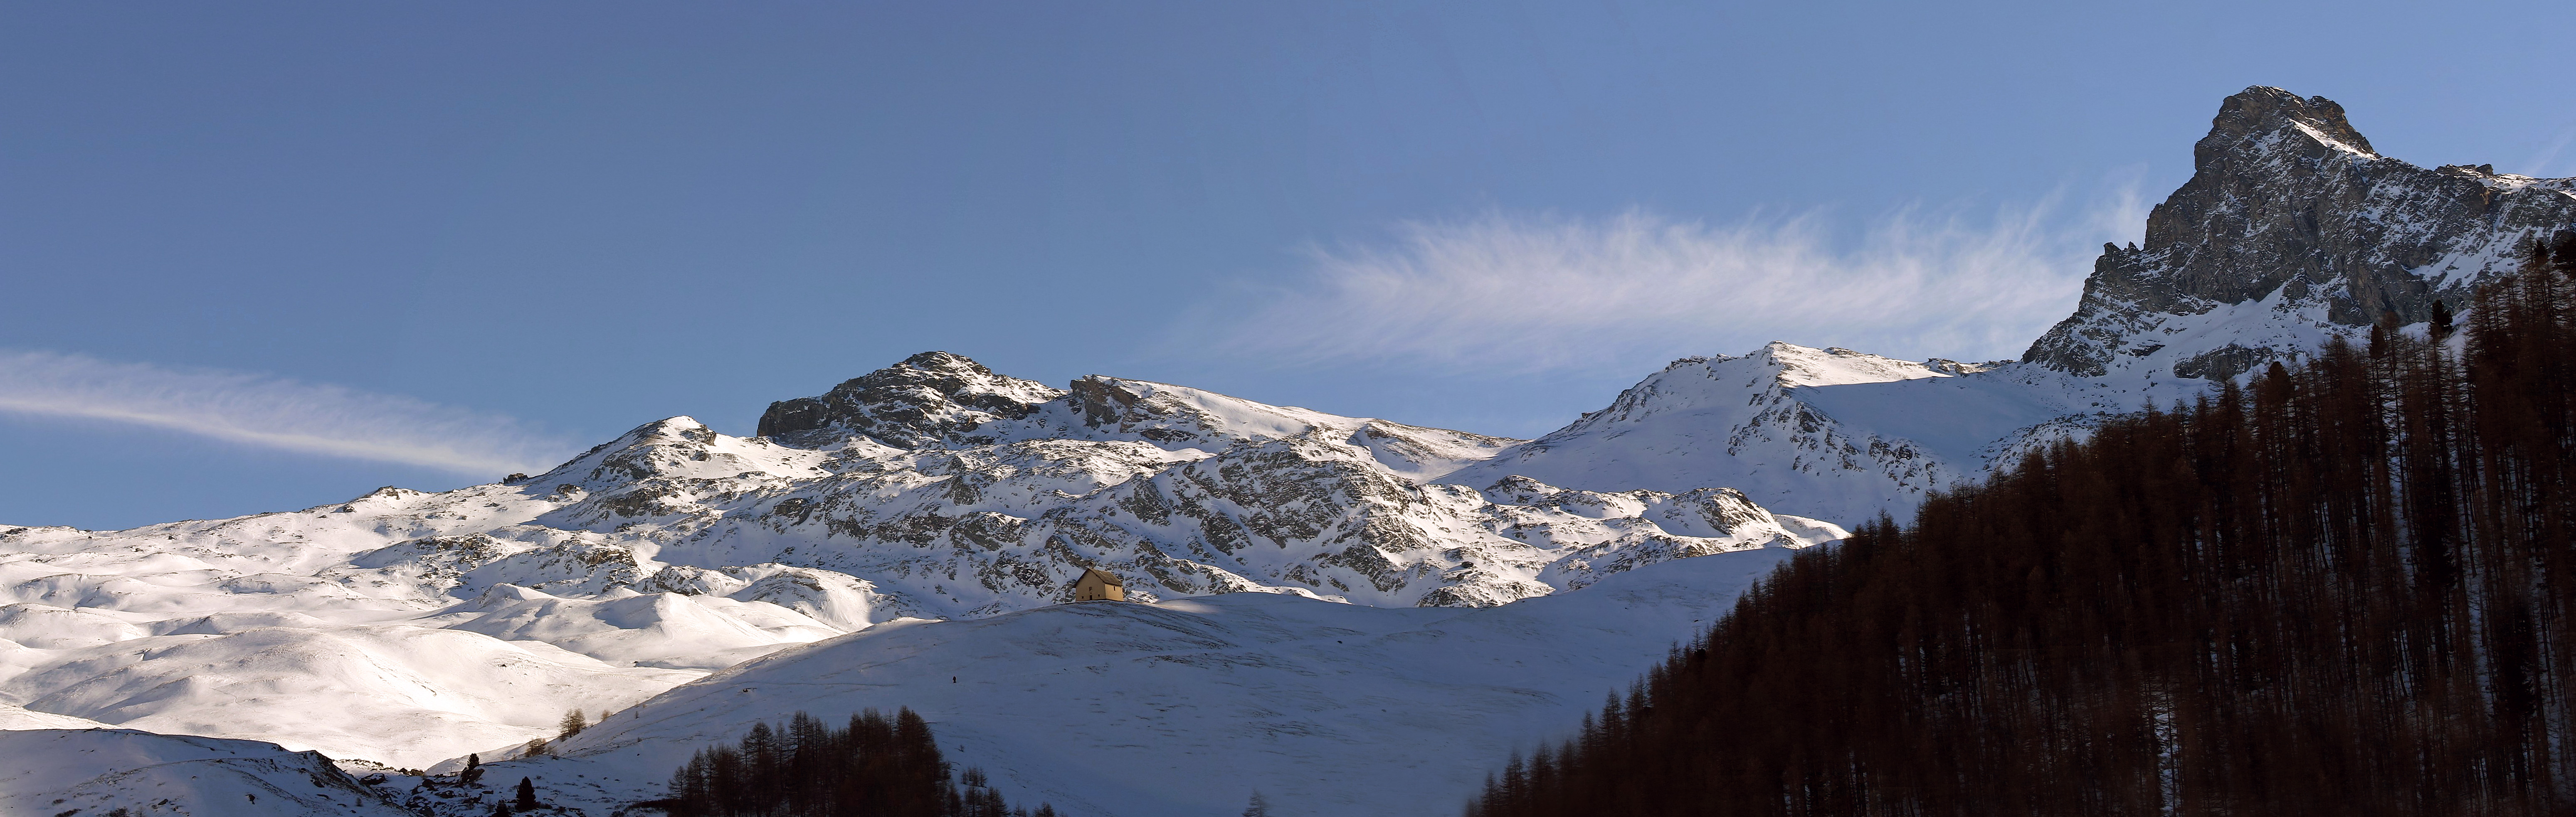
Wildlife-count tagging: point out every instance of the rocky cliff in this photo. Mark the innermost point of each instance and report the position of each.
(930, 399)
(2290, 208)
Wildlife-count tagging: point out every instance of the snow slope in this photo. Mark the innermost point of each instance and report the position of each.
(291, 628)
(19, 717)
(1824, 433)
(395, 694)
(1185, 707)
(100, 771)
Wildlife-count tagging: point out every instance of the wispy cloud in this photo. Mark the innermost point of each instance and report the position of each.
(273, 412)
(1510, 292)
(2540, 163)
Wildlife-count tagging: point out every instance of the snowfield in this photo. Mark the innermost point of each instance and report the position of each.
(1186, 707)
(96, 771)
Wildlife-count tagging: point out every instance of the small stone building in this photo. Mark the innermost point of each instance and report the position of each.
(1098, 586)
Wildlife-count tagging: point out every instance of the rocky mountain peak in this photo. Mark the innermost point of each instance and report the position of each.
(2256, 114)
(2289, 207)
(923, 401)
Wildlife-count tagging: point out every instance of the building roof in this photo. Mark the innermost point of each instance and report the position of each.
(1104, 575)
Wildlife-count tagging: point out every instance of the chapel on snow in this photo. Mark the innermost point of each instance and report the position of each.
(1098, 586)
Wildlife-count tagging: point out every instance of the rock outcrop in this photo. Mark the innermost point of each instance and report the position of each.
(2289, 207)
(953, 494)
(928, 399)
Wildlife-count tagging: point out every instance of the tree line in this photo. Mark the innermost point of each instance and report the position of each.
(2343, 588)
(875, 766)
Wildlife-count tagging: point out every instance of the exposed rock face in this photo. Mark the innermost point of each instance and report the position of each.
(2289, 206)
(928, 399)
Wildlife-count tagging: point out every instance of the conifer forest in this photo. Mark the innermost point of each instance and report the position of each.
(2344, 587)
(875, 766)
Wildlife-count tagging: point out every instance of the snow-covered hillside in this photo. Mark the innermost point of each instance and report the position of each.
(1824, 433)
(122, 771)
(295, 628)
(1186, 707)
(406, 628)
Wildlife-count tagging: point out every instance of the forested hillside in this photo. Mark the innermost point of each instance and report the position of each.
(2345, 588)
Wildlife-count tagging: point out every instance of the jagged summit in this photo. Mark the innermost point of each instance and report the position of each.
(925, 400)
(2290, 227)
(2259, 112)
(939, 400)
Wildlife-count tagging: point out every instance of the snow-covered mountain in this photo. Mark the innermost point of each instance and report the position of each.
(1827, 433)
(2291, 231)
(406, 628)
(1479, 591)
(1835, 431)
(995, 493)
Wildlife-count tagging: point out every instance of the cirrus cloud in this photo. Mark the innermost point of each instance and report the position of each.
(272, 412)
(1519, 292)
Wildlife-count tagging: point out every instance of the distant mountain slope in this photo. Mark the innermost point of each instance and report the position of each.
(1834, 433)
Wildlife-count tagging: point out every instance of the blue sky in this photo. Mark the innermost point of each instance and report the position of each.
(263, 256)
